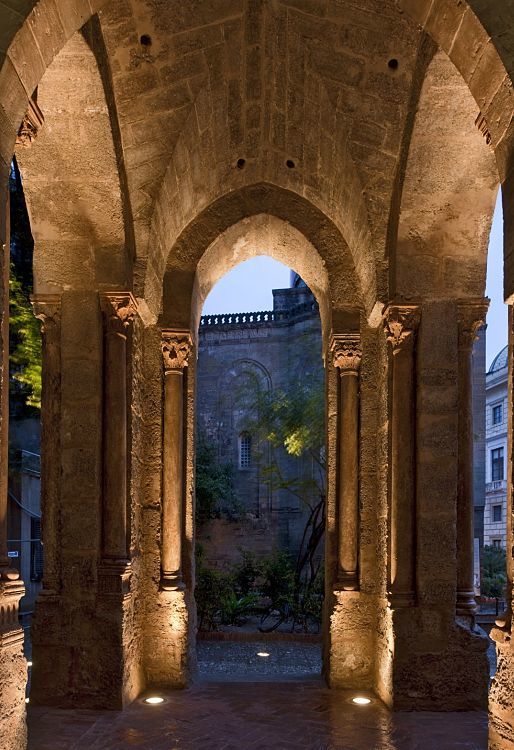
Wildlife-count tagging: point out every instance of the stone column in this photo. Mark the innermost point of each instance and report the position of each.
(176, 348)
(347, 354)
(119, 309)
(47, 308)
(471, 316)
(401, 324)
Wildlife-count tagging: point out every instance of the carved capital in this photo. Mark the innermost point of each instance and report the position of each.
(119, 309)
(401, 323)
(30, 125)
(47, 309)
(471, 317)
(346, 352)
(176, 348)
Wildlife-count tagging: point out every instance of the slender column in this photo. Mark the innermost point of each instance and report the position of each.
(119, 310)
(176, 348)
(4, 381)
(471, 316)
(47, 308)
(401, 323)
(346, 353)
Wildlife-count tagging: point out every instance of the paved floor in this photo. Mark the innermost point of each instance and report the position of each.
(249, 702)
(255, 716)
(222, 661)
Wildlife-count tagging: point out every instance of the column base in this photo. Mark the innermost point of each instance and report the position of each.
(114, 577)
(466, 604)
(347, 581)
(401, 599)
(172, 582)
(13, 667)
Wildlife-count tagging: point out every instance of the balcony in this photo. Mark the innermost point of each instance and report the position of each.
(496, 486)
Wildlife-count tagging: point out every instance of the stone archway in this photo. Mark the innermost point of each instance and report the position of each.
(341, 329)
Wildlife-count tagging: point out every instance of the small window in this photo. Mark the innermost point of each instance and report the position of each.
(497, 465)
(497, 513)
(245, 451)
(497, 543)
(498, 414)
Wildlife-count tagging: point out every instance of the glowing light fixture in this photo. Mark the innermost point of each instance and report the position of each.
(154, 700)
(262, 653)
(29, 664)
(360, 700)
(27, 700)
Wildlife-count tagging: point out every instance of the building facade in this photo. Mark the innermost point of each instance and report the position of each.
(495, 511)
(243, 358)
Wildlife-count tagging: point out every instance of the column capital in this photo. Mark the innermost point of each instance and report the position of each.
(346, 352)
(471, 315)
(119, 309)
(176, 349)
(400, 324)
(47, 309)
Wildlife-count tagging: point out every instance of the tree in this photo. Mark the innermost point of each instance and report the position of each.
(494, 572)
(215, 496)
(25, 335)
(292, 421)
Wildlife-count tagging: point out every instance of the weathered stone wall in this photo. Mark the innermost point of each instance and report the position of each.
(268, 83)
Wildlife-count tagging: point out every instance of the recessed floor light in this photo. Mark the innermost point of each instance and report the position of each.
(27, 700)
(154, 700)
(29, 664)
(262, 653)
(360, 700)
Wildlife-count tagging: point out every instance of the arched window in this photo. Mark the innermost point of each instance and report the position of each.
(245, 450)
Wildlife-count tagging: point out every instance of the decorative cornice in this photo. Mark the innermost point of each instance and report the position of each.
(30, 125)
(346, 352)
(119, 308)
(471, 315)
(176, 348)
(401, 323)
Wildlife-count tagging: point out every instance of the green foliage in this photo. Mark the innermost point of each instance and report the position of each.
(278, 579)
(234, 609)
(215, 496)
(25, 358)
(212, 588)
(246, 573)
(494, 572)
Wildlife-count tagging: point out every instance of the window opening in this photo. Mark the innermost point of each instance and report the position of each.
(497, 464)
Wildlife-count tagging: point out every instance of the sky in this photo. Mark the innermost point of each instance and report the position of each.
(247, 288)
(497, 324)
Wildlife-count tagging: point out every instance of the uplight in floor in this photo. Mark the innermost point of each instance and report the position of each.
(154, 700)
(29, 664)
(360, 700)
(262, 653)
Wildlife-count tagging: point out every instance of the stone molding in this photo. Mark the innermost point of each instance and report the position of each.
(31, 124)
(11, 591)
(119, 309)
(401, 323)
(471, 315)
(176, 350)
(346, 352)
(47, 309)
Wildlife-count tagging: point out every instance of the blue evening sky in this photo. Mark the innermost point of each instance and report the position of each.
(248, 286)
(497, 324)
